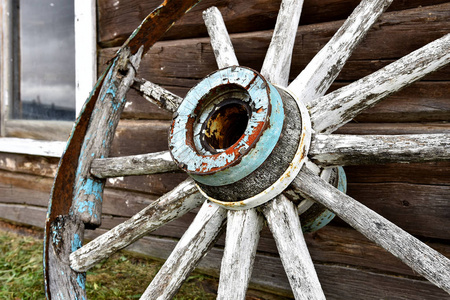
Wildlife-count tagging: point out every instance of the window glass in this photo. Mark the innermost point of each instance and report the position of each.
(47, 60)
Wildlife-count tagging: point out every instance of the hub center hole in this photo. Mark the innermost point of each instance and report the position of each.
(226, 125)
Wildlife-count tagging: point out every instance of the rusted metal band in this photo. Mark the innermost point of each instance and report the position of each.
(233, 88)
(288, 176)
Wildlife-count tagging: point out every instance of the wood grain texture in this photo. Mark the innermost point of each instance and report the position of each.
(323, 69)
(243, 228)
(337, 108)
(194, 244)
(220, 40)
(157, 95)
(394, 128)
(65, 283)
(283, 221)
(117, 20)
(343, 150)
(423, 101)
(144, 164)
(277, 62)
(138, 137)
(182, 63)
(421, 258)
(169, 207)
(87, 195)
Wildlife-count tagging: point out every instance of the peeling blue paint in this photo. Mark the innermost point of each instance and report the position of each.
(326, 217)
(76, 242)
(253, 147)
(81, 281)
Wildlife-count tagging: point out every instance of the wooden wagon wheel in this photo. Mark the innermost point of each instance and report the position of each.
(249, 141)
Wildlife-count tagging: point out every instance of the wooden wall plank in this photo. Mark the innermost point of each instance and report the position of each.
(419, 209)
(29, 215)
(394, 128)
(423, 101)
(172, 62)
(118, 19)
(431, 173)
(29, 164)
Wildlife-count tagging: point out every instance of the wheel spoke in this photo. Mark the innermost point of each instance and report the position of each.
(194, 244)
(320, 73)
(220, 40)
(157, 95)
(283, 221)
(345, 150)
(417, 255)
(277, 62)
(243, 228)
(144, 164)
(337, 108)
(172, 205)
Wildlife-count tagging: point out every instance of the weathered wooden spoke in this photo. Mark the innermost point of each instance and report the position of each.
(417, 255)
(282, 218)
(320, 73)
(194, 244)
(345, 150)
(330, 112)
(167, 208)
(143, 164)
(220, 40)
(277, 62)
(243, 228)
(157, 95)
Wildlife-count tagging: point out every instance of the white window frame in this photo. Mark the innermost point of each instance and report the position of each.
(85, 77)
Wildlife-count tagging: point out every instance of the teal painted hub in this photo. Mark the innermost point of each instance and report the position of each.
(227, 126)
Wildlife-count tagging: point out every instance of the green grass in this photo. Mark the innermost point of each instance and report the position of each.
(122, 276)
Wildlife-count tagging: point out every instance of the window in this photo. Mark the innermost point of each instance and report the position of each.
(48, 66)
(47, 61)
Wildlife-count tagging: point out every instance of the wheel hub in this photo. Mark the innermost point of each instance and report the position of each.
(231, 137)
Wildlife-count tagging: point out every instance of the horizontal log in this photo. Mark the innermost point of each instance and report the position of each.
(29, 164)
(434, 173)
(171, 62)
(143, 164)
(156, 184)
(130, 140)
(423, 101)
(408, 205)
(240, 16)
(344, 150)
(25, 181)
(394, 128)
(24, 214)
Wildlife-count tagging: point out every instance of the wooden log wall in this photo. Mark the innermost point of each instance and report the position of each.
(414, 196)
